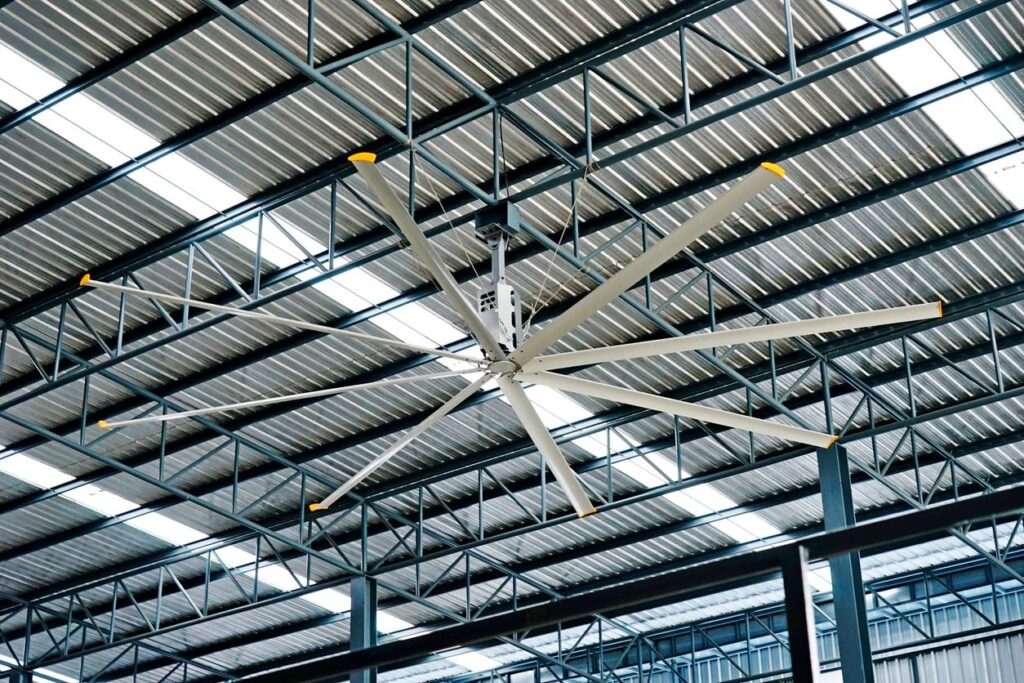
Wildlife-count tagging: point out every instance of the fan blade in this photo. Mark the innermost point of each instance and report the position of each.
(549, 450)
(87, 281)
(745, 335)
(319, 393)
(671, 406)
(365, 164)
(428, 422)
(713, 214)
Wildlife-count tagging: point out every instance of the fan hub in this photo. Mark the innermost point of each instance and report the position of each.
(503, 367)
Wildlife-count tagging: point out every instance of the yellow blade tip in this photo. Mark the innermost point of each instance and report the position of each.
(317, 507)
(85, 280)
(586, 513)
(103, 424)
(774, 168)
(368, 157)
(940, 308)
(833, 441)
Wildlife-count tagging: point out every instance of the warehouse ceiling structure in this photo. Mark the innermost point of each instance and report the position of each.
(183, 225)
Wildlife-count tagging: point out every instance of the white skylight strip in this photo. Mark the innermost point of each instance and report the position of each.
(190, 189)
(41, 673)
(355, 289)
(474, 661)
(974, 120)
(89, 125)
(92, 127)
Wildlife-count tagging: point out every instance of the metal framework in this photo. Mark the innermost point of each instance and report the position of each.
(375, 538)
(791, 559)
(968, 598)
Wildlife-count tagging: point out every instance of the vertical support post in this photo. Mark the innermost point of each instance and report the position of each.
(61, 324)
(574, 198)
(3, 351)
(364, 623)
(310, 31)
(803, 643)
(409, 125)
(847, 586)
(18, 676)
(257, 261)
(787, 14)
(332, 226)
(684, 72)
(587, 130)
(122, 302)
(84, 424)
(997, 371)
(496, 144)
(190, 263)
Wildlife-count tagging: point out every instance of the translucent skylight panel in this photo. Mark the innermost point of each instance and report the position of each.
(95, 129)
(31, 471)
(103, 502)
(39, 673)
(974, 120)
(474, 661)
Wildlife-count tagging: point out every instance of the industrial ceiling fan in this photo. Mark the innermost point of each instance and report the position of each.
(512, 362)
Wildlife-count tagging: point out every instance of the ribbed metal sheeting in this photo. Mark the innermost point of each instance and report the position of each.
(721, 604)
(990, 661)
(217, 67)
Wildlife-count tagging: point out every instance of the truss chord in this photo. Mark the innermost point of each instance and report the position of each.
(57, 365)
(87, 281)
(319, 393)
(119, 337)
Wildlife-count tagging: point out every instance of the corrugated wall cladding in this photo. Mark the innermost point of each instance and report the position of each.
(990, 661)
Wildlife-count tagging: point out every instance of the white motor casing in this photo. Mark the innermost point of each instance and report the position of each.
(500, 310)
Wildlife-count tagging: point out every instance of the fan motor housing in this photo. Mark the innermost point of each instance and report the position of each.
(500, 310)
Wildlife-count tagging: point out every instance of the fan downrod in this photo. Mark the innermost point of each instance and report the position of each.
(498, 304)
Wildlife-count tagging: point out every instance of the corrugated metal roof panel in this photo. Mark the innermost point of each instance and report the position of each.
(493, 42)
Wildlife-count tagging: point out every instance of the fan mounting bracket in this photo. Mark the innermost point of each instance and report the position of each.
(498, 304)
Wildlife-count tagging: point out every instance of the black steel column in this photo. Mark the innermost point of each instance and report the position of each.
(363, 624)
(803, 640)
(847, 586)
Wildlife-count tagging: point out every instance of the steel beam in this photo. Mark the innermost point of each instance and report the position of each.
(542, 563)
(671, 586)
(545, 564)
